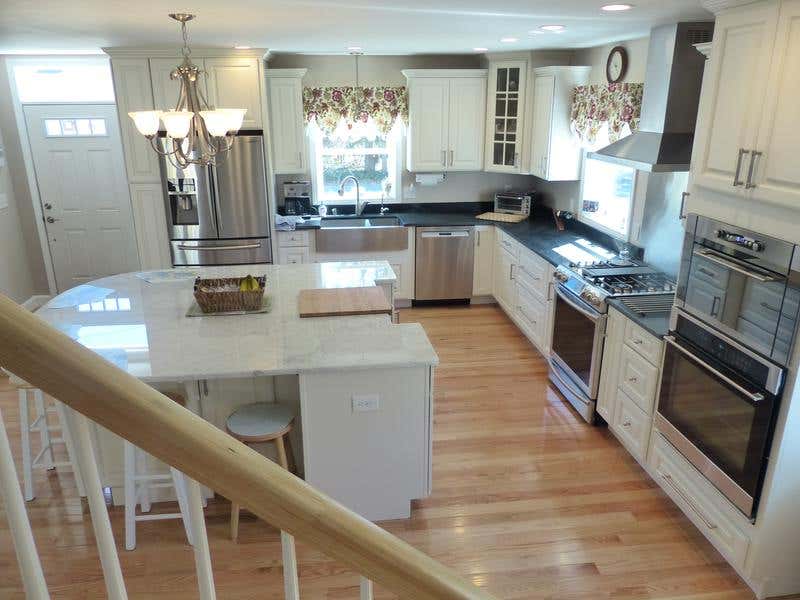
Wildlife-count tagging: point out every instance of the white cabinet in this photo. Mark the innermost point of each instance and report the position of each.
(133, 91)
(504, 118)
(446, 116)
(287, 127)
(294, 247)
(555, 154)
(505, 258)
(483, 268)
(147, 203)
(745, 143)
(234, 82)
(165, 89)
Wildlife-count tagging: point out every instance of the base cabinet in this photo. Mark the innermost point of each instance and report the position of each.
(484, 260)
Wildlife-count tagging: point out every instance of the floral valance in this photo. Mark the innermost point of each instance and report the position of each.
(329, 105)
(618, 105)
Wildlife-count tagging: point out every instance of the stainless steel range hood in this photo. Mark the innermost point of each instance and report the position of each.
(663, 142)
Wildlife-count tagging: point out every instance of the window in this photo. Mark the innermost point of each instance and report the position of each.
(75, 127)
(363, 152)
(607, 192)
(63, 80)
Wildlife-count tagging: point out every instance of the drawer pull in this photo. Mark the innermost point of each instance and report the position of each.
(638, 342)
(668, 478)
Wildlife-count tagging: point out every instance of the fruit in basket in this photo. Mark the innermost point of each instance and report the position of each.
(249, 284)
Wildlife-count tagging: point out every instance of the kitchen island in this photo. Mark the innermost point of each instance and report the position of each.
(361, 386)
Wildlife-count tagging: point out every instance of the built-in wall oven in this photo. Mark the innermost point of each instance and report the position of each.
(731, 334)
(577, 349)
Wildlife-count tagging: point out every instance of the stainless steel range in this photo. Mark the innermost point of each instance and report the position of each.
(579, 324)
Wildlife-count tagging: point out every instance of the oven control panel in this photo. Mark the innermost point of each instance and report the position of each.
(741, 240)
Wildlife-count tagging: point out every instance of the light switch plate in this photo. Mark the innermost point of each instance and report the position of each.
(366, 402)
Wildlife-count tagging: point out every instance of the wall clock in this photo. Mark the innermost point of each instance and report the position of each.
(617, 64)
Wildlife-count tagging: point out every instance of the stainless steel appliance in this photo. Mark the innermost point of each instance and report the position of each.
(513, 203)
(674, 75)
(579, 322)
(444, 263)
(731, 334)
(217, 215)
(297, 198)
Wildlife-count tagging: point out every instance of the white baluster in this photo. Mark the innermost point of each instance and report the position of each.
(365, 589)
(202, 555)
(27, 557)
(112, 573)
(291, 585)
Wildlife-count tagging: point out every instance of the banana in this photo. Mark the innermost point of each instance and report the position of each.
(249, 284)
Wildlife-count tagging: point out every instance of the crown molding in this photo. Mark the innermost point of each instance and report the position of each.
(554, 69)
(717, 6)
(174, 52)
(409, 73)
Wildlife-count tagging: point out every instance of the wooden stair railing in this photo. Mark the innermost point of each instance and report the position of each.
(87, 383)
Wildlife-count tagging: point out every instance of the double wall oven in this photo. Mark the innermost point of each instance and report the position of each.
(731, 335)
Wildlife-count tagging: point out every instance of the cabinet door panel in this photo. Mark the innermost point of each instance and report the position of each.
(166, 90)
(428, 122)
(484, 260)
(732, 104)
(465, 132)
(234, 83)
(505, 112)
(286, 123)
(543, 93)
(776, 172)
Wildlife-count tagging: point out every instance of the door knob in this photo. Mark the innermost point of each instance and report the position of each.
(48, 206)
(51, 220)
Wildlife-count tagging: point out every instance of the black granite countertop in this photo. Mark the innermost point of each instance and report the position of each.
(538, 233)
(657, 324)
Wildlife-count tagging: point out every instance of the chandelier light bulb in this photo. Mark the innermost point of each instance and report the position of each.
(216, 122)
(233, 117)
(177, 122)
(146, 121)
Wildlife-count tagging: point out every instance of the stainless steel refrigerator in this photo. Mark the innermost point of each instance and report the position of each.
(217, 215)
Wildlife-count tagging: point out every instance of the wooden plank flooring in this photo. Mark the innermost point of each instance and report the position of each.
(529, 501)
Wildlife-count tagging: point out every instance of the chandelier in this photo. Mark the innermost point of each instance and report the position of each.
(196, 132)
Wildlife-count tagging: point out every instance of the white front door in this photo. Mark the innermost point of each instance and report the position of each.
(80, 171)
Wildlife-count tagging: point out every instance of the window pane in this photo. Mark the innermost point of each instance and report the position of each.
(83, 127)
(371, 170)
(98, 126)
(68, 127)
(356, 141)
(64, 80)
(502, 80)
(52, 127)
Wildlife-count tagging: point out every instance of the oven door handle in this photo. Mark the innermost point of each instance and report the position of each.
(589, 313)
(728, 264)
(754, 397)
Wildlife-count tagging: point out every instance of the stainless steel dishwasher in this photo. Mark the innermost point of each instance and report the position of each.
(444, 263)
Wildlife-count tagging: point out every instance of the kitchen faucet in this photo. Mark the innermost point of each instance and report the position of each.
(359, 207)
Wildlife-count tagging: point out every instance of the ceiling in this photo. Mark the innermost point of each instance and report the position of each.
(330, 26)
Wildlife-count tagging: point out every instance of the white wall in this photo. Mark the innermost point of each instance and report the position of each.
(596, 57)
(26, 220)
(15, 273)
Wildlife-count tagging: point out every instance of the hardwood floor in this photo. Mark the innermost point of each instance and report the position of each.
(529, 501)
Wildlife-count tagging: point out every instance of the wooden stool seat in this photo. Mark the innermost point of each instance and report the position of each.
(260, 422)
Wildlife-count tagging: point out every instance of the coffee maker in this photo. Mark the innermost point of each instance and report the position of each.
(297, 198)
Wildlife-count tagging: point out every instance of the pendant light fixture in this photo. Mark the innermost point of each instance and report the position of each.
(196, 132)
(358, 90)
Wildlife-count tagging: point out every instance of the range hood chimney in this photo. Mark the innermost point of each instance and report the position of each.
(663, 142)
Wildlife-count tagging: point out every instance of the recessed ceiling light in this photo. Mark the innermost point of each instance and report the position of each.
(535, 32)
(480, 49)
(509, 40)
(617, 7)
(354, 48)
(240, 47)
(553, 28)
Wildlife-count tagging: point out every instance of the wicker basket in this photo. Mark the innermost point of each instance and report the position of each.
(224, 295)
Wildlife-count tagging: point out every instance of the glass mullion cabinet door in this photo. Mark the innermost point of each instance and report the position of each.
(506, 110)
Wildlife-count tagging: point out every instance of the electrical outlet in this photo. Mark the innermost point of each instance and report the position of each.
(366, 402)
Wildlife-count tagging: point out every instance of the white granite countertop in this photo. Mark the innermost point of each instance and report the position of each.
(143, 328)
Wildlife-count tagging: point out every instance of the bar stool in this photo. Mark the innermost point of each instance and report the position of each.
(257, 423)
(44, 459)
(138, 483)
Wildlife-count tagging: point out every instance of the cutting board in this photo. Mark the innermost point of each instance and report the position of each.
(501, 217)
(337, 302)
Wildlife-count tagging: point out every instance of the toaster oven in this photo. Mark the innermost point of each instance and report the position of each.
(513, 203)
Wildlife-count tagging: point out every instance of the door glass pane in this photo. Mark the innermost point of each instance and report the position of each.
(52, 127)
(502, 80)
(512, 107)
(98, 127)
(499, 125)
(83, 127)
(575, 339)
(511, 125)
(68, 127)
(510, 155)
(497, 159)
(500, 107)
(511, 137)
(513, 80)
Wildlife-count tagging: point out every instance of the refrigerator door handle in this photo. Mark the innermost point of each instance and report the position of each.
(219, 248)
(212, 178)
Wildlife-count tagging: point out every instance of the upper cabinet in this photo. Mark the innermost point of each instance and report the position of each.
(555, 154)
(166, 89)
(746, 143)
(234, 82)
(504, 116)
(287, 128)
(446, 119)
